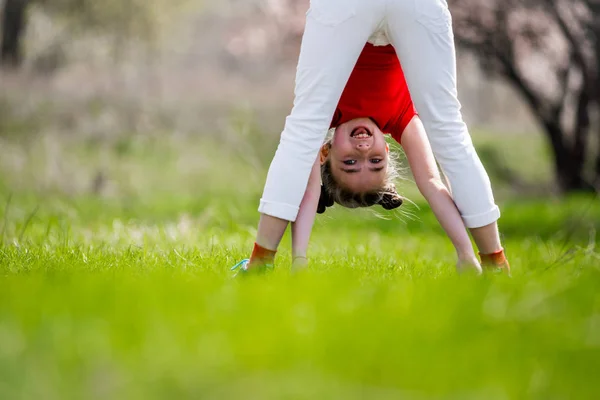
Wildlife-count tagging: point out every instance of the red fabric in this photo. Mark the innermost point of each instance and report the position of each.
(495, 260)
(261, 256)
(377, 89)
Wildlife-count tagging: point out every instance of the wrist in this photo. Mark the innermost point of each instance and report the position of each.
(468, 259)
(465, 252)
(299, 253)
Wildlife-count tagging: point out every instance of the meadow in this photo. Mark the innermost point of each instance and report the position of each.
(115, 282)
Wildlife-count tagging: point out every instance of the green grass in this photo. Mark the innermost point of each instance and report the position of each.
(127, 294)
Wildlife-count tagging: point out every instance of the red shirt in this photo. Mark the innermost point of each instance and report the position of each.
(377, 90)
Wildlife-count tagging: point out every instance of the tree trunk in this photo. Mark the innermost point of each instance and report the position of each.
(570, 181)
(568, 162)
(13, 27)
(597, 169)
(596, 30)
(594, 6)
(582, 130)
(569, 174)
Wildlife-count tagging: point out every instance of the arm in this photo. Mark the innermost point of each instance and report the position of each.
(301, 229)
(427, 176)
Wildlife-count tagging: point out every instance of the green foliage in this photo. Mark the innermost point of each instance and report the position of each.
(123, 19)
(119, 17)
(101, 302)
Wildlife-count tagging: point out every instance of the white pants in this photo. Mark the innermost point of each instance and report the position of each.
(336, 32)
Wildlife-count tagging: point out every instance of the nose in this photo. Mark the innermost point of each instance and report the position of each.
(363, 146)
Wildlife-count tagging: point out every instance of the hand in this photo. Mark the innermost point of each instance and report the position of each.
(299, 264)
(468, 264)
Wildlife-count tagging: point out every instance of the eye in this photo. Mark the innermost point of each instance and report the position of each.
(376, 160)
(350, 162)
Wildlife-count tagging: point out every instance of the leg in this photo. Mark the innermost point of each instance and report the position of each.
(487, 238)
(270, 231)
(421, 31)
(336, 32)
(491, 252)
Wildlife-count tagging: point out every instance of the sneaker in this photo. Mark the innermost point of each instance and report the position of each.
(242, 269)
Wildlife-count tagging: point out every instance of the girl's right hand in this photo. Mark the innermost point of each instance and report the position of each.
(468, 264)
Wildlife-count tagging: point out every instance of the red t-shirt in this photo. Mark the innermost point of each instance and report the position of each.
(377, 89)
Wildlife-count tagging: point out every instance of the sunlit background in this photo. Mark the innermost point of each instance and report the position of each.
(135, 137)
(111, 77)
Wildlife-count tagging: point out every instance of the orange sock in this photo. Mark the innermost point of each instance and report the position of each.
(261, 256)
(495, 260)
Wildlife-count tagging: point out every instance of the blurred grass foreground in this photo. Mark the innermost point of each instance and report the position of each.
(115, 284)
(125, 199)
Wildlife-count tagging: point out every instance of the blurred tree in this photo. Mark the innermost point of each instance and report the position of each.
(124, 21)
(272, 28)
(548, 50)
(13, 26)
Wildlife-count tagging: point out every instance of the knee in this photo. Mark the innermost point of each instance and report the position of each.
(453, 148)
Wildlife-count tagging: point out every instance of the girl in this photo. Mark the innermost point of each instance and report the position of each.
(335, 35)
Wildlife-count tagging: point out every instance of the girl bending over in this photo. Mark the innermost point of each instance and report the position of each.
(354, 169)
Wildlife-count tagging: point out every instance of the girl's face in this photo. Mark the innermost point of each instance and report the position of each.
(358, 156)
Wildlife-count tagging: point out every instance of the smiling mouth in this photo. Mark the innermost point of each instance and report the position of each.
(361, 132)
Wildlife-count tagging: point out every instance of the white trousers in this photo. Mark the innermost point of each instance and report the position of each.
(336, 32)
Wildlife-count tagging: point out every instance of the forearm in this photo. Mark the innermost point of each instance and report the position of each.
(442, 205)
(302, 227)
(468, 180)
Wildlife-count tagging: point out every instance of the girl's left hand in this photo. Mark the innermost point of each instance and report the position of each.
(468, 264)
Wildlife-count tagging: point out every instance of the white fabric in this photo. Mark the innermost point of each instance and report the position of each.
(380, 37)
(336, 32)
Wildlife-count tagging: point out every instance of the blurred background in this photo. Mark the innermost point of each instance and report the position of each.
(136, 97)
(135, 137)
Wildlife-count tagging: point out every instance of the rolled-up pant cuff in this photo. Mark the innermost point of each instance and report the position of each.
(278, 210)
(483, 219)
